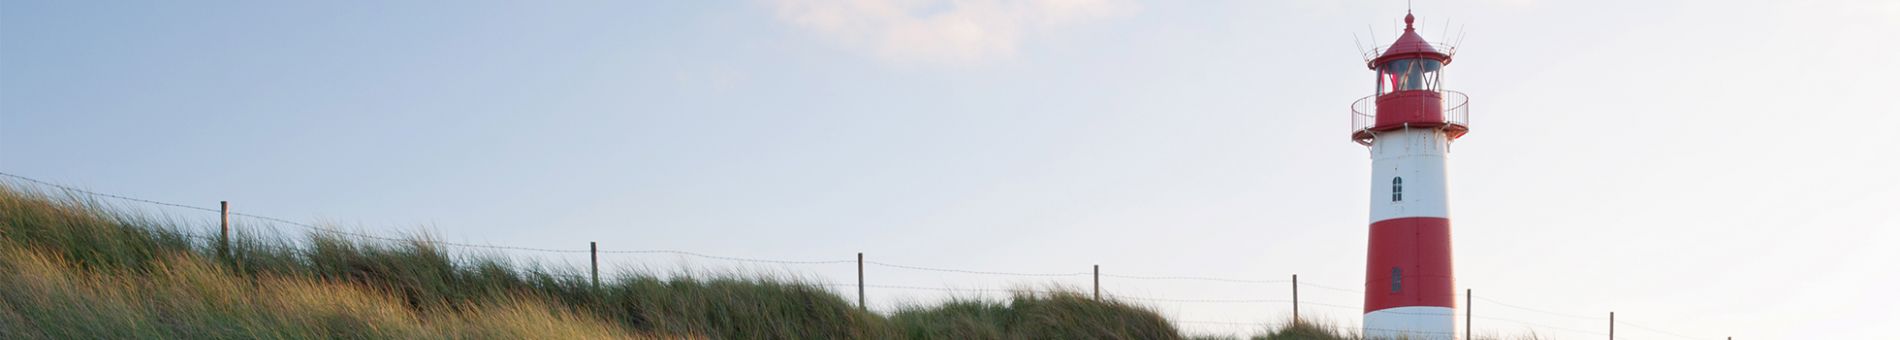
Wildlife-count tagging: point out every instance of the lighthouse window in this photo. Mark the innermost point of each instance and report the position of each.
(1395, 279)
(1398, 189)
(1409, 75)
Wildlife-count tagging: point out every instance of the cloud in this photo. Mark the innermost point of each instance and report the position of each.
(941, 31)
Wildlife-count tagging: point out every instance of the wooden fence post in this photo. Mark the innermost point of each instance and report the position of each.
(1467, 313)
(1612, 325)
(224, 230)
(1296, 299)
(593, 248)
(1098, 283)
(861, 306)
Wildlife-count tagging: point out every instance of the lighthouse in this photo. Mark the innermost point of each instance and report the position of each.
(1408, 124)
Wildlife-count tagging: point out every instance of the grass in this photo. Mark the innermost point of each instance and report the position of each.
(1307, 329)
(1328, 330)
(1057, 314)
(182, 296)
(73, 268)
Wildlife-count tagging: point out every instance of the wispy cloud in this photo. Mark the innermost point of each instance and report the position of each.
(941, 31)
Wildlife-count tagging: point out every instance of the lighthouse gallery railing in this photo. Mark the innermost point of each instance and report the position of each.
(1365, 112)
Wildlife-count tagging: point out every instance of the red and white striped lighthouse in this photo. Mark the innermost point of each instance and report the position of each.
(1409, 124)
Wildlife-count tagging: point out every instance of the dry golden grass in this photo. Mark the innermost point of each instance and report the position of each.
(185, 296)
(74, 268)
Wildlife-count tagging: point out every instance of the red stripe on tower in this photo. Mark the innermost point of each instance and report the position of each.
(1408, 263)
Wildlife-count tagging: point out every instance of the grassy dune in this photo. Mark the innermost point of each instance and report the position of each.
(71, 268)
(49, 297)
(1059, 315)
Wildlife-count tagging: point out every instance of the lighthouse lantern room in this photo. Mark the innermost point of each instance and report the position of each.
(1408, 124)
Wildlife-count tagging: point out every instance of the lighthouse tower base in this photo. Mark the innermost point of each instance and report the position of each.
(1412, 323)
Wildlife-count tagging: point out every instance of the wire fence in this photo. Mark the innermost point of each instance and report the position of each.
(1294, 301)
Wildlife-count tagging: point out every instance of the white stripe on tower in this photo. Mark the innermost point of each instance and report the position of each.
(1417, 158)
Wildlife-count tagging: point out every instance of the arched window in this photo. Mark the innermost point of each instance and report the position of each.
(1395, 279)
(1398, 189)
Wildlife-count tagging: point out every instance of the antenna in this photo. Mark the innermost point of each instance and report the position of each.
(1358, 47)
(1375, 36)
(1461, 39)
(1447, 32)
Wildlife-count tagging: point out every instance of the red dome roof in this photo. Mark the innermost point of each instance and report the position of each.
(1409, 45)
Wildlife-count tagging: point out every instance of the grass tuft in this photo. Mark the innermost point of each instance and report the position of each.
(1032, 315)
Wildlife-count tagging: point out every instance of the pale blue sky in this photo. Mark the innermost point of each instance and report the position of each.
(1720, 168)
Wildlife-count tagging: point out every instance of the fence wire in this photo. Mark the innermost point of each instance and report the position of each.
(1332, 288)
(977, 272)
(1193, 278)
(1528, 323)
(726, 258)
(1156, 299)
(1350, 329)
(1574, 316)
(1658, 331)
(101, 194)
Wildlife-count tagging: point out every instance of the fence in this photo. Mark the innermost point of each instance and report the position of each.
(1095, 275)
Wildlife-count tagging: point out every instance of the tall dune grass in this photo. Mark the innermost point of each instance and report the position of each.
(1057, 314)
(184, 296)
(73, 268)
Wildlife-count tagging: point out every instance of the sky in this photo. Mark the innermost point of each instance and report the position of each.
(1707, 169)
